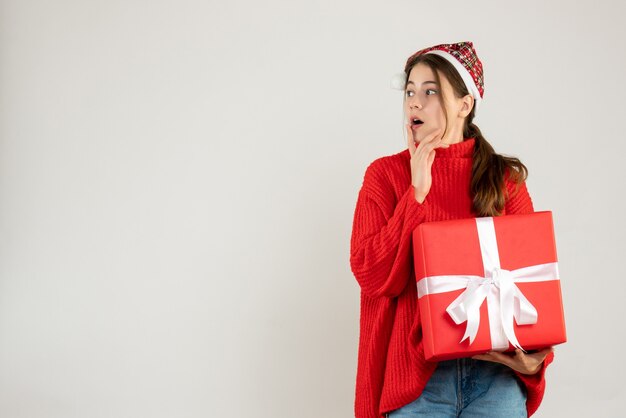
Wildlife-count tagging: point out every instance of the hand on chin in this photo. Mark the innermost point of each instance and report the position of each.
(422, 133)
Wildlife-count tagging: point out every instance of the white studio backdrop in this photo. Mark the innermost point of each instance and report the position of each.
(178, 180)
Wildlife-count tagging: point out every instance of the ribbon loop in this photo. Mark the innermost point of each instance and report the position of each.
(513, 305)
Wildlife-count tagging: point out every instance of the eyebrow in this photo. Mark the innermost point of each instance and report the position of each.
(425, 82)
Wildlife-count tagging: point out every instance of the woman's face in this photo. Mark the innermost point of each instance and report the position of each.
(422, 101)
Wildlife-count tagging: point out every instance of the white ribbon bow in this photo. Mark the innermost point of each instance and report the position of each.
(505, 300)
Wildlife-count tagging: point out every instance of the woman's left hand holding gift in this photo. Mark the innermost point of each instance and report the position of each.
(525, 363)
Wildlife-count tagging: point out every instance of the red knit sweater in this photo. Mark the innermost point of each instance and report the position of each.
(391, 370)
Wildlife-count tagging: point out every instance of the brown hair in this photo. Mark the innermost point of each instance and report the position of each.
(488, 168)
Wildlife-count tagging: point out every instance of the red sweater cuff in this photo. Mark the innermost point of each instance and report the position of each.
(535, 385)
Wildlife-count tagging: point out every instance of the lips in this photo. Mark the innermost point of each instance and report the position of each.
(416, 123)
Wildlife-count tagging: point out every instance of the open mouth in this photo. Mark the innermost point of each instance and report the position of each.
(416, 122)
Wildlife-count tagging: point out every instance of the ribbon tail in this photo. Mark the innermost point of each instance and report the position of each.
(510, 334)
(466, 307)
(525, 312)
(473, 323)
(508, 294)
(515, 307)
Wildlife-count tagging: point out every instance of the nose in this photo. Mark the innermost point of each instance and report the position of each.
(414, 104)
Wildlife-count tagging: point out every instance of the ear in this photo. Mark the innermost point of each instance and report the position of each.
(467, 105)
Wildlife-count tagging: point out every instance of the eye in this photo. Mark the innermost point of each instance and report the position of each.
(409, 93)
(427, 90)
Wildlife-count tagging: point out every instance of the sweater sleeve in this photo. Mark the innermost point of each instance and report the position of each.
(518, 200)
(535, 385)
(381, 235)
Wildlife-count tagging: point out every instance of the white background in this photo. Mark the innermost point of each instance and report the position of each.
(178, 180)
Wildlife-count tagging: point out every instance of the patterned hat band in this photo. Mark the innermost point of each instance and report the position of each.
(463, 58)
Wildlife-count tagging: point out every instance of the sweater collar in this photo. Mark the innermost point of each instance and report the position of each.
(464, 149)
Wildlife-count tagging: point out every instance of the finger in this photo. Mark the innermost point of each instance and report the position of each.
(500, 358)
(541, 355)
(436, 143)
(434, 135)
(424, 147)
(410, 138)
(430, 143)
(434, 139)
(548, 350)
(428, 146)
(544, 351)
(439, 144)
(431, 158)
(484, 356)
(488, 357)
(429, 138)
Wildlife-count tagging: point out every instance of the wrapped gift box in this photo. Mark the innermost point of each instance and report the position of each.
(488, 283)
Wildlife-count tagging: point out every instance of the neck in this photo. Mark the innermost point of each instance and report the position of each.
(454, 136)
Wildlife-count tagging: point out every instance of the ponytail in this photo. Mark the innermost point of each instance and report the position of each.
(490, 171)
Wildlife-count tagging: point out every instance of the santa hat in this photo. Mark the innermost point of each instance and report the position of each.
(464, 59)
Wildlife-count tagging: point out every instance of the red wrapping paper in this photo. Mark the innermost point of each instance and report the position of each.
(448, 248)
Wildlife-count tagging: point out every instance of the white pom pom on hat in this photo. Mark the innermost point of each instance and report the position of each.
(398, 80)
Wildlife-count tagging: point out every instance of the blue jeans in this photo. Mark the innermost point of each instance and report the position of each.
(468, 388)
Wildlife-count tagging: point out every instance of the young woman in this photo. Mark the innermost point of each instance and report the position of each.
(448, 171)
